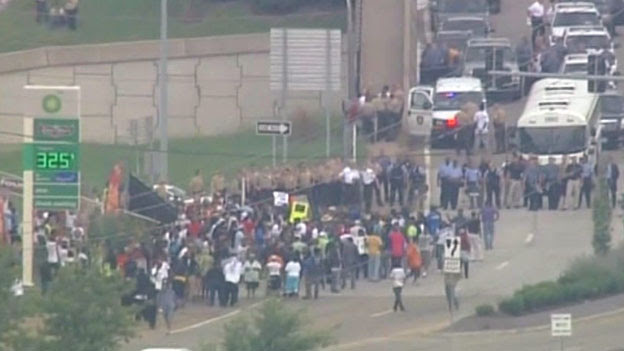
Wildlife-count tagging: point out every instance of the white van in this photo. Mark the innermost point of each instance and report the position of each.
(560, 118)
(435, 109)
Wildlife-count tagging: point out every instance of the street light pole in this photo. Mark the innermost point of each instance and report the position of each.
(162, 101)
(346, 132)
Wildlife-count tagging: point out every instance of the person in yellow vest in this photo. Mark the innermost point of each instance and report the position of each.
(499, 116)
(290, 180)
(305, 180)
(217, 184)
(196, 185)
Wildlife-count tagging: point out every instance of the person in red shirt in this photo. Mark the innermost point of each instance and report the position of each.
(465, 250)
(397, 244)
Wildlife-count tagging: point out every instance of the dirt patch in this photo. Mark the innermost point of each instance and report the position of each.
(504, 322)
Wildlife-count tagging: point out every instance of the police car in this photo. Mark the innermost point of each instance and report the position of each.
(574, 64)
(572, 14)
(581, 39)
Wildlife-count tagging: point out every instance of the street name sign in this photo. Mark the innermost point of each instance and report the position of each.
(273, 128)
(561, 324)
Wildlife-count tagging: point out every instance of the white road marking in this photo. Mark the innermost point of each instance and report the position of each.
(375, 315)
(206, 322)
(502, 265)
(529, 238)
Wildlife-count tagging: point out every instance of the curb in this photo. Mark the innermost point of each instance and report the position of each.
(533, 328)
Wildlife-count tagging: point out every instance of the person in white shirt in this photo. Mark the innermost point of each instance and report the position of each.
(252, 268)
(293, 271)
(536, 14)
(232, 270)
(398, 276)
(482, 124)
(274, 268)
(160, 273)
(350, 179)
(369, 181)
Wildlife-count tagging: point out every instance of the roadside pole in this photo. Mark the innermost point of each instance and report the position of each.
(350, 76)
(274, 141)
(283, 94)
(27, 210)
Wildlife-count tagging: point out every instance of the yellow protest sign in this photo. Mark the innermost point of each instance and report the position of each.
(300, 211)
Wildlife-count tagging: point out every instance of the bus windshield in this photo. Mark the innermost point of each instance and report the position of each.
(552, 140)
(463, 6)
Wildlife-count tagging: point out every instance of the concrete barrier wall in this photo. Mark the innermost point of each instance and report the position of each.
(217, 85)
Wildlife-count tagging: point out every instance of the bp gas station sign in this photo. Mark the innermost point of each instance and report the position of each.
(52, 154)
(51, 158)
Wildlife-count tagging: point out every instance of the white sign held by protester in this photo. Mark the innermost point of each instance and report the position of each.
(452, 255)
(280, 199)
(452, 248)
(561, 324)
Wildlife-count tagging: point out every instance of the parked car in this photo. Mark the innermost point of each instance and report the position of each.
(477, 26)
(477, 54)
(442, 9)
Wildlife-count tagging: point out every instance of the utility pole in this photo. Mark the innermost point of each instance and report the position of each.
(162, 101)
(346, 133)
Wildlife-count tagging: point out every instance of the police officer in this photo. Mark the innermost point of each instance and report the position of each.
(532, 182)
(492, 185)
(587, 176)
(443, 183)
(417, 185)
(552, 183)
(455, 180)
(397, 182)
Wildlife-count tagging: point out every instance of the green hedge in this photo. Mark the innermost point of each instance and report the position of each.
(485, 310)
(587, 278)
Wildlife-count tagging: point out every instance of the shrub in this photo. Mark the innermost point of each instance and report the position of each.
(585, 278)
(276, 6)
(485, 310)
(513, 306)
(541, 295)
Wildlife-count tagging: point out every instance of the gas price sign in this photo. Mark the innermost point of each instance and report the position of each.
(55, 161)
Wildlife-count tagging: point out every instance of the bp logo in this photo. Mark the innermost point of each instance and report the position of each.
(51, 104)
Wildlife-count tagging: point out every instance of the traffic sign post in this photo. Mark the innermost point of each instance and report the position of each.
(561, 326)
(274, 129)
(51, 158)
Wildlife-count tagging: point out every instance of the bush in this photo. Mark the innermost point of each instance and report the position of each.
(586, 278)
(513, 306)
(485, 310)
(601, 215)
(276, 6)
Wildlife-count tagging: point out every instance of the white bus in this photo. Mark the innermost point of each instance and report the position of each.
(560, 118)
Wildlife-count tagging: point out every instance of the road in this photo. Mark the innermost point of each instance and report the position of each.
(362, 320)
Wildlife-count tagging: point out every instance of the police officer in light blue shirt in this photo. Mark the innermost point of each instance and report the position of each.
(473, 179)
(587, 175)
(455, 180)
(443, 176)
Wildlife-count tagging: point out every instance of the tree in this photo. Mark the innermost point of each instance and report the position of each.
(601, 215)
(274, 328)
(83, 311)
(13, 309)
